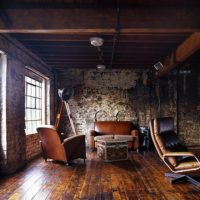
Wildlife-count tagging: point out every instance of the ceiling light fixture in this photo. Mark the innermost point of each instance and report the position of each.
(96, 41)
(101, 67)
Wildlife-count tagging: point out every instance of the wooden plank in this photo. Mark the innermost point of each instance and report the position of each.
(140, 178)
(138, 37)
(98, 30)
(133, 20)
(183, 51)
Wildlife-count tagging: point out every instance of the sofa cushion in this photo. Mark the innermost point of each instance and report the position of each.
(101, 137)
(114, 127)
(128, 138)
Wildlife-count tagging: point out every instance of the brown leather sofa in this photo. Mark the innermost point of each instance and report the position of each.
(116, 128)
(53, 147)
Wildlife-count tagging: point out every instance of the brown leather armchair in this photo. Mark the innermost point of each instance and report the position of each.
(173, 153)
(54, 148)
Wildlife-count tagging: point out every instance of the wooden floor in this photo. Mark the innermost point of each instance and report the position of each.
(142, 177)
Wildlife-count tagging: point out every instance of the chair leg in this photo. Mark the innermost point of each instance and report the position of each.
(194, 180)
(173, 175)
(178, 178)
(84, 160)
(67, 163)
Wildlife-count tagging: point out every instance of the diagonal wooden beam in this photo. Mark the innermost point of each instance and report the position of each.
(184, 51)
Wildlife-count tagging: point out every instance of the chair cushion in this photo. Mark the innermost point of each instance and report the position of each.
(101, 137)
(128, 138)
(169, 142)
(187, 163)
(165, 124)
(114, 127)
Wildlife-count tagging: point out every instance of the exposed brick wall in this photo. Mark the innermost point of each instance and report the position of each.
(189, 106)
(32, 146)
(18, 57)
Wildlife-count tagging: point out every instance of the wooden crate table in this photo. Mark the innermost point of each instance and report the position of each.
(112, 149)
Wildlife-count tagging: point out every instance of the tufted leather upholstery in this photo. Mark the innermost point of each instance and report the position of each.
(115, 128)
(169, 147)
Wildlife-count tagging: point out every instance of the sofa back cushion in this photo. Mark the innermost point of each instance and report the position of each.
(113, 127)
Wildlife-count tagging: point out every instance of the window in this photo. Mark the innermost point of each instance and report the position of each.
(36, 101)
(3, 86)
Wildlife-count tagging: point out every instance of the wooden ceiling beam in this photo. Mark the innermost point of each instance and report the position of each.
(100, 21)
(106, 45)
(184, 51)
(132, 37)
(94, 4)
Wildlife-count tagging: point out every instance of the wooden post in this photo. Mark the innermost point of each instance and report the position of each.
(70, 118)
(58, 115)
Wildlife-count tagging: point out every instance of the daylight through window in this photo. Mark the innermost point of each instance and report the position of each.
(35, 101)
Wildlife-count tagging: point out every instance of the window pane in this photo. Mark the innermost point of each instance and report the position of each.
(37, 92)
(28, 126)
(37, 83)
(28, 79)
(28, 89)
(33, 103)
(37, 115)
(28, 114)
(38, 103)
(33, 81)
(28, 102)
(33, 115)
(33, 91)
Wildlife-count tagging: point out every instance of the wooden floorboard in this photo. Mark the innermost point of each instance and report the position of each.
(141, 177)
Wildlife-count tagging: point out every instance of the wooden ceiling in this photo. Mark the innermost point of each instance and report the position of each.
(136, 35)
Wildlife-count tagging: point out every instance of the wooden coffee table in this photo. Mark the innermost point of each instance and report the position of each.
(112, 149)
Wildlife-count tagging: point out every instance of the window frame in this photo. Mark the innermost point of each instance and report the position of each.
(45, 97)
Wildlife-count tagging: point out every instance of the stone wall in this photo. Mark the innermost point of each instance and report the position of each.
(189, 106)
(17, 58)
(108, 95)
(128, 95)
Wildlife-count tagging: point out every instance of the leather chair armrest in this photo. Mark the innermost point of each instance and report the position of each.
(71, 140)
(176, 154)
(75, 147)
(135, 134)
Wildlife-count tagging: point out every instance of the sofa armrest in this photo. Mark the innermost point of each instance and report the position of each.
(91, 139)
(75, 147)
(78, 140)
(92, 133)
(135, 134)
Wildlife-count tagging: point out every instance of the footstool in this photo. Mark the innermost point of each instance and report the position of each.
(112, 149)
